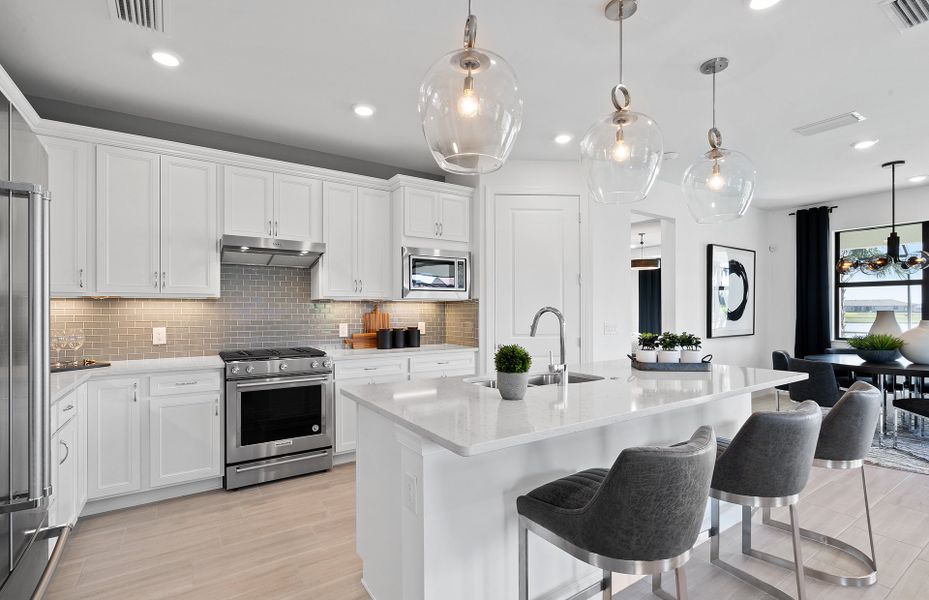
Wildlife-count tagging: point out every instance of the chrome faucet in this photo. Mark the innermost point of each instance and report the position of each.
(552, 367)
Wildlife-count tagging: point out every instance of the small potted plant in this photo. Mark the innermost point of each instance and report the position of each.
(512, 363)
(669, 353)
(877, 347)
(647, 352)
(690, 348)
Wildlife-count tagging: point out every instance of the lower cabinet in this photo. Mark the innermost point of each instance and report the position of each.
(66, 503)
(184, 439)
(114, 447)
(345, 410)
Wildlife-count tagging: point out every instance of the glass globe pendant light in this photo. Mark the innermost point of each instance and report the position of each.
(621, 154)
(719, 185)
(470, 107)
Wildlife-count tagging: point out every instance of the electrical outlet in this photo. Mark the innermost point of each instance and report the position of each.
(343, 330)
(411, 492)
(422, 327)
(159, 336)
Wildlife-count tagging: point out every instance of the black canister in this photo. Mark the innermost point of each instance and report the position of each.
(399, 338)
(384, 339)
(412, 337)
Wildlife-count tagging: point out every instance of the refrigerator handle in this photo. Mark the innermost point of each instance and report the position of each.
(39, 373)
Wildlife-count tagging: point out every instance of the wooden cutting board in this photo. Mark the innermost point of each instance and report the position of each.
(375, 320)
(363, 340)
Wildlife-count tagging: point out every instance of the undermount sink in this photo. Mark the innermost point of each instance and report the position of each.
(544, 379)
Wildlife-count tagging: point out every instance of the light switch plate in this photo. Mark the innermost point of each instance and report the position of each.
(343, 330)
(422, 327)
(159, 336)
(610, 328)
(411, 493)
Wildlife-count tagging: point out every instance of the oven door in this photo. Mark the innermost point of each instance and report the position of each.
(435, 274)
(277, 416)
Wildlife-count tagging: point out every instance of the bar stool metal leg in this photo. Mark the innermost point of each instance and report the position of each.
(523, 560)
(680, 576)
(607, 584)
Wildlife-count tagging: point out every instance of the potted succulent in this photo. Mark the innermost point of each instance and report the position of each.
(512, 363)
(669, 353)
(877, 347)
(690, 348)
(647, 352)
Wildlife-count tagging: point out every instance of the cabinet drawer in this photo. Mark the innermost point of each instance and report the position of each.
(184, 383)
(451, 363)
(64, 411)
(357, 369)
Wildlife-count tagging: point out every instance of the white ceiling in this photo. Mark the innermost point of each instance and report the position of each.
(289, 71)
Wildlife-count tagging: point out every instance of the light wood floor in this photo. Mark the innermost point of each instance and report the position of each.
(295, 539)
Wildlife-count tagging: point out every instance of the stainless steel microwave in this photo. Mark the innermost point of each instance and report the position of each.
(434, 274)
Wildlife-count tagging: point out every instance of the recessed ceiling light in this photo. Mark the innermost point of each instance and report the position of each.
(918, 178)
(864, 144)
(761, 4)
(563, 138)
(165, 59)
(363, 110)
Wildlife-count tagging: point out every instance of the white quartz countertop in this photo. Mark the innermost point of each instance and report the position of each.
(343, 353)
(62, 383)
(471, 419)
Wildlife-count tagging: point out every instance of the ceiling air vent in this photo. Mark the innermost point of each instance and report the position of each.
(906, 14)
(147, 14)
(830, 123)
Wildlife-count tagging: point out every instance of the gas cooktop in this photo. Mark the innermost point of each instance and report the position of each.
(271, 353)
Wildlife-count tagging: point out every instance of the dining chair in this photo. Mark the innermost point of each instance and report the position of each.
(821, 387)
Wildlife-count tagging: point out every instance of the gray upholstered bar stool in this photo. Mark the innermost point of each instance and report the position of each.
(641, 517)
(766, 465)
(847, 433)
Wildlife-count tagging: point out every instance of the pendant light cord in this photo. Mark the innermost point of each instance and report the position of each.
(621, 8)
(714, 98)
(469, 8)
(893, 198)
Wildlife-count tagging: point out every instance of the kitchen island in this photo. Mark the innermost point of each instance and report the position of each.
(440, 463)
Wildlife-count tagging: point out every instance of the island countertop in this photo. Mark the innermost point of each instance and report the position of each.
(471, 419)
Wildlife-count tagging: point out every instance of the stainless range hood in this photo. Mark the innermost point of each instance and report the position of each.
(270, 252)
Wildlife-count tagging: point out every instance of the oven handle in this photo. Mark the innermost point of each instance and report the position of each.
(282, 462)
(265, 383)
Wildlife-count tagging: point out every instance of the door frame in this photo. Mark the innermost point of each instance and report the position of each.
(486, 265)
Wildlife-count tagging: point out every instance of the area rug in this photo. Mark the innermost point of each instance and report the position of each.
(912, 453)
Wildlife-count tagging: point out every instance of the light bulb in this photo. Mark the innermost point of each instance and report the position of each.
(468, 102)
(621, 150)
(716, 180)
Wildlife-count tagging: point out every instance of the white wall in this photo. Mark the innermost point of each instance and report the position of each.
(605, 262)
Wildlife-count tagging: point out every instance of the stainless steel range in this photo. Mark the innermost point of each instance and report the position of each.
(278, 414)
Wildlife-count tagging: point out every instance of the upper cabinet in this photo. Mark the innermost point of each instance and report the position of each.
(156, 225)
(264, 204)
(431, 214)
(70, 181)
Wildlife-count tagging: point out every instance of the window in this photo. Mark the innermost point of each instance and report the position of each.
(858, 296)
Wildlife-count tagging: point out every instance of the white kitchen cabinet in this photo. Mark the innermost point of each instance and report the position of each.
(64, 505)
(81, 396)
(346, 411)
(442, 365)
(357, 262)
(298, 208)
(184, 438)
(113, 435)
(128, 221)
(70, 181)
(433, 215)
(455, 218)
(189, 250)
(248, 202)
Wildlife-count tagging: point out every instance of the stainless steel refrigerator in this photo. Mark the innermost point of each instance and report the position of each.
(24, 362)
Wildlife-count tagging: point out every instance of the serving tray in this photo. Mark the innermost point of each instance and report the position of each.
(700, 367)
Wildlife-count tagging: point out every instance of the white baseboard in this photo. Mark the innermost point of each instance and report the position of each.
(343, 459)
(94, 507)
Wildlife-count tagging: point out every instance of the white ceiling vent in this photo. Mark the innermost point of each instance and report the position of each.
(830, 123)
(906, 14)
(147, 14)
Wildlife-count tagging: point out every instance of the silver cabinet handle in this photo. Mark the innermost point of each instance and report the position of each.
(80, 277)
(67, 408)
(361, 285)
(155, 279)
(67, 452)
(437, 229)
(270, 231)
(135, 392)
(216, 408)
(164, 278)
(185, 383)
(277, 228)
(441, 229)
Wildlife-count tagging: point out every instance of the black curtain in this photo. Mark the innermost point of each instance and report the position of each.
(650, 301)
(812, 333)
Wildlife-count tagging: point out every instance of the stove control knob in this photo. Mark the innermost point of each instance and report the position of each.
(315, 364)
(250, 369)
(234, 370)
(283, 366)
(328, 364)
(315, 428)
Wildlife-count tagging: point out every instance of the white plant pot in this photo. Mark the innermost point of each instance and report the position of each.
(916, 344)
(885, 322)
(646, 356)
(691, 356)
(669, 356)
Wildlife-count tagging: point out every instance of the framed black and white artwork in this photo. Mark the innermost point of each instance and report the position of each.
(730, 304)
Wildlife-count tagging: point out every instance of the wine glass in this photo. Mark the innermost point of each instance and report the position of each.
(59, 343)
(76, 341)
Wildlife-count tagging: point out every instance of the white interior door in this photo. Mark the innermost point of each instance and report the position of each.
(537, 263)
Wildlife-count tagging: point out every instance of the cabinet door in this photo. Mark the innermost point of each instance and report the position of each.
(298, 208)
(346, 411)
(248, 202)
(113, 433)
(70, 183)
(455, 218)
(81, 449)
(340, 211)
(189, 240)
(184, 438)
(128, 221)
(65, 442)
(375, 251)
(420, 213)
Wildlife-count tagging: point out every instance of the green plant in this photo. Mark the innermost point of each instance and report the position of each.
(648, 341)
(689, 341)
(512, 358)
(876, 341)
(669, 341)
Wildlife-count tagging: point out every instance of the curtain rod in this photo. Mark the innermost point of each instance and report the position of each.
(831, 208)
